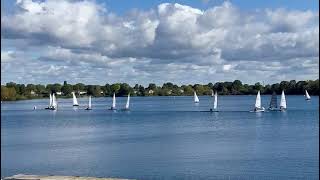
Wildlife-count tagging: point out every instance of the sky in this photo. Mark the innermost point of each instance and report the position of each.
(148, 41)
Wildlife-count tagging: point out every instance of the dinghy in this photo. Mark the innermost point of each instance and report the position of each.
(196, 99)
(54, 103)
(89, 104)
(50, 102)
(75, 101)
(113, 107)
(273, 102)
(128, 103)
(258, 107)
(215, 103)
(283, 103)
(307, 96)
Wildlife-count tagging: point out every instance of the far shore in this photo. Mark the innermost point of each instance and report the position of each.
(68, 97)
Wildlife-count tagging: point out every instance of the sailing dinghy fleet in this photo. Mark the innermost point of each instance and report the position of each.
(273, 106)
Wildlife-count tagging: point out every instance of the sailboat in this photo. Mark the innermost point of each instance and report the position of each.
(50, 102)
(89, 104)
(273, 102)
(307, 96)
(215, 103)
(196, 99)
(75, 101)
(54, 105)
(212, 94)
(113, 107)
(283, 103)
(258, 107)
(128, 103)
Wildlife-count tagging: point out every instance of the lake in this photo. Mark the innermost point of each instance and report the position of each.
(162, 138)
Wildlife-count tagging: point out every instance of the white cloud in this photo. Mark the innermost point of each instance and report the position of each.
(161, 44)
(7, 56)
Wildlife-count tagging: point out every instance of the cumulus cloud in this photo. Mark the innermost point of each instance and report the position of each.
(162, 44)
(7, 56)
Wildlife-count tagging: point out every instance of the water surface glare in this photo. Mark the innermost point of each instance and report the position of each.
(162, 138)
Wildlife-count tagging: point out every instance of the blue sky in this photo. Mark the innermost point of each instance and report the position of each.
(122, 6)
(142, 41)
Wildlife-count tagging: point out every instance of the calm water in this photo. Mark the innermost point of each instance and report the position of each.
(162, 138)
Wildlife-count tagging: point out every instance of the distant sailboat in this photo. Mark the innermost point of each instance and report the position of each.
(212, 94)
(215, 103)
(113, 107)
(128, 102)
(307, 96)
(283, 103)
(258, 107)
(50, 102)
(273, 102)
(196, 99)
(89, 104)
(75, 101)
(54, 103)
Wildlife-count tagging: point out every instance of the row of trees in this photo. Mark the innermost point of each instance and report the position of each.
(13, 91)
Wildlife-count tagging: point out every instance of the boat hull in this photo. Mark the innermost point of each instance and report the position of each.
(259, 109)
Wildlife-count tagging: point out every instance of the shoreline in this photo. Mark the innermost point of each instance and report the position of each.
(63, 97)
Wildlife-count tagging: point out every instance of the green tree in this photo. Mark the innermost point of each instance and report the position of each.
(115, 88)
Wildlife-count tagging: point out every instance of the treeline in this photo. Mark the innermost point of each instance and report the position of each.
(12, 91)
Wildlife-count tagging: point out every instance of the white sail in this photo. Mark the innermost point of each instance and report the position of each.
(89, 105)
(50, 103)
(215, 103)
(212, 94)
(75, 101)
(196, 99)
(114, 101)
(54, 101)
(128, 101)
(307, 95)
(258, 100)
(283, 103)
